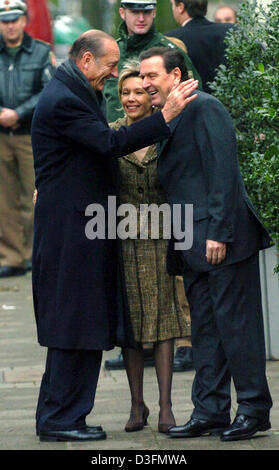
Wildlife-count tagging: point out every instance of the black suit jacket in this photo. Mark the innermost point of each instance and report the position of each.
(75, 279)
(205, 45)
(198, 165)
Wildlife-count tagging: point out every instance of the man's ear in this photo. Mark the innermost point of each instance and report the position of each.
(181, 8)
(122, 13)
(177, 75)
(24, 21)
(86, 59)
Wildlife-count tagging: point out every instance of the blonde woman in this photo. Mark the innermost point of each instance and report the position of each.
(155, 312)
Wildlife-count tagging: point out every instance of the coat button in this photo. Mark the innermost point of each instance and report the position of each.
(140, 190)
(140, 170)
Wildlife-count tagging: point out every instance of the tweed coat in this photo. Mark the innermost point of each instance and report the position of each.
(152, 295)
(78, 292)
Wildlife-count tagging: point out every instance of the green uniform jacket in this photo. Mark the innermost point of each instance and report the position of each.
(130, 49)
(22, 78)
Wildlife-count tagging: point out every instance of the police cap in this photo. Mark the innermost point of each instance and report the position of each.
(139, 4)
(10, 10)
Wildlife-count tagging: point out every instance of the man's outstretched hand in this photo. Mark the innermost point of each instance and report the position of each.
(178, 98)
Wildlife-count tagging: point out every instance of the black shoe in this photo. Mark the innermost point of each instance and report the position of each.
(89, 428)
(8, 271)
(80, 435)
(244, 427)
(183, 359)
(197, 427)
(117, 363)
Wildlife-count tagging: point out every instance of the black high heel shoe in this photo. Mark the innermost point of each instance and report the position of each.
(138, 426)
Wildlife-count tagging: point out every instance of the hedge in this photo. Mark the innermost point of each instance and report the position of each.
(248, 85)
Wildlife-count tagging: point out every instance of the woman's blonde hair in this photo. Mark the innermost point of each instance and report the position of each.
(130, 69)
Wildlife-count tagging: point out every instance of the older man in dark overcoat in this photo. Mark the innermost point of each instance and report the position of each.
(79, 297)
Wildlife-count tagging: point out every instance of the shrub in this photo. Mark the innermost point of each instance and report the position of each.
(248, 85)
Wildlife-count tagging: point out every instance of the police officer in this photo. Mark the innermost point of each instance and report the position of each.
(137, 32)
(26, 65)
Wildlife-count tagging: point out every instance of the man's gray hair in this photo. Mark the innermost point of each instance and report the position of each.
(92, 41)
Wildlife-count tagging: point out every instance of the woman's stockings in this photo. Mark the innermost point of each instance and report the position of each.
(164, 352)
(134, 364)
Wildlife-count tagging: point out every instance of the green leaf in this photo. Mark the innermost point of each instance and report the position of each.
(249, 88)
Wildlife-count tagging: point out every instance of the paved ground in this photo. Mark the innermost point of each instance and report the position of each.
(21, 367)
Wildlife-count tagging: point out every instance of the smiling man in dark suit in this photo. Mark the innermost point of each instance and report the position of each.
(197, 165)
(79, 299)
(204, 39)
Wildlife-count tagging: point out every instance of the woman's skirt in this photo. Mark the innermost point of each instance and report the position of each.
(152, 295)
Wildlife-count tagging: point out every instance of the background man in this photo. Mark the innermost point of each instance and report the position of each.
(203, 38)
(198, 165)
(79, 302)
(225, 14)
(137, 33)
(25, 67)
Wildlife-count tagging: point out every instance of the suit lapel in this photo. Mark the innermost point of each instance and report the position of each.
(172, 126)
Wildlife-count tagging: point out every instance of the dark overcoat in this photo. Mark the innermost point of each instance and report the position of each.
(198, 165)
(205, 44)
(76, 283)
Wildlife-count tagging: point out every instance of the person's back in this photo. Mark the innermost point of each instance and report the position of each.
(204, 39)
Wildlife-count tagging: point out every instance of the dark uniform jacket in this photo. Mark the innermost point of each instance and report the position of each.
(76, 299)
(130, 49)
(205, 45)
(198, 165)
(22, 78)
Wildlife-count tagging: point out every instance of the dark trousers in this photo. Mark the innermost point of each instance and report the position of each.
(228, 341)
(68, 389)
